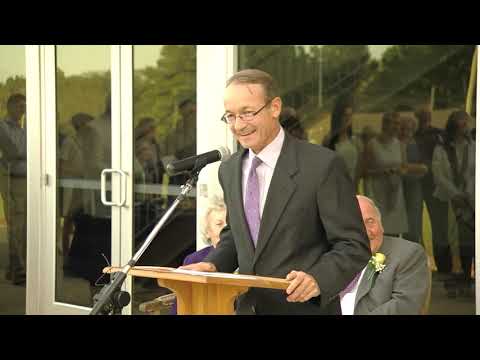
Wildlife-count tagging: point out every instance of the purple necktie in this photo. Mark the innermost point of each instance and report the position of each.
(252, 201)
(350, 286)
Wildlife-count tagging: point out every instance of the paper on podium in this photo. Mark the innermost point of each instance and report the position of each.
(193, 272)
(216, 274)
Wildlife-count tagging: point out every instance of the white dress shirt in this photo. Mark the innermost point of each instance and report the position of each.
(269, 156)
(348, 301)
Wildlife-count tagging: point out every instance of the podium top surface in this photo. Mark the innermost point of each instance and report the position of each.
(168, 273)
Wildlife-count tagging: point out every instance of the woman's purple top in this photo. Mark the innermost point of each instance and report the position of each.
(193, 258)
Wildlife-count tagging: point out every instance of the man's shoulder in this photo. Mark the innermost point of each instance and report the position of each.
(232, 159)
(307, 151)
(399, 246)
(304, 145)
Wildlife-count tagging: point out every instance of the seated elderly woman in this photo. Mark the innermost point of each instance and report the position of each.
(213, 222)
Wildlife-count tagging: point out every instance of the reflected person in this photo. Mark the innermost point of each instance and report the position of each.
(13, 186)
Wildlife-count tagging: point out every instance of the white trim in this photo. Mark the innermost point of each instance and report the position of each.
(126, 236)
(232, 68)
(116, 150)
(214, 67)
(49, 241)
(34, 171)
(59, 308)
(79, 183)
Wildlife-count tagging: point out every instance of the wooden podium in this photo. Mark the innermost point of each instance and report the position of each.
(204, 293)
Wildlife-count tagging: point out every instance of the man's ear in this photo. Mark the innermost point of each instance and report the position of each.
(276, 107)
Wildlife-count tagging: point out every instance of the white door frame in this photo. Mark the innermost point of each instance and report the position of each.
(124, 162)
(42, 181)
(34, 180)
(215, 64)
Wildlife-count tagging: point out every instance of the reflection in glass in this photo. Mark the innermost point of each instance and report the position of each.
(385, 110)
(13, 182)
(164, 129)
(83, 151)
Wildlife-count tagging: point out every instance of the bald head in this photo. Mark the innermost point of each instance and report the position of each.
(373, 222)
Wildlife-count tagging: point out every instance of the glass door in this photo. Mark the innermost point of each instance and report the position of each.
(164, 129)
(83, 188)
(130, 109)
(84, 151)
(114, 117)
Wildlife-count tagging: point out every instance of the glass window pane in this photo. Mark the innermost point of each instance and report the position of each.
(13, 182)
(164, 129)
(83, 151)
(402, 117)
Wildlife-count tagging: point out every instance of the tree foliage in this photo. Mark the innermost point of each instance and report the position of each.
(309, 77)
(312, 77)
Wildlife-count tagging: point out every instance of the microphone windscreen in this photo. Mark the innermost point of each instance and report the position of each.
(224, 153)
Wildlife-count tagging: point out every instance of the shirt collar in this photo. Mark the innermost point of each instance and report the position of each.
(269, 155)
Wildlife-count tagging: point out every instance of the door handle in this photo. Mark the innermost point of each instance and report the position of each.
(123, 187)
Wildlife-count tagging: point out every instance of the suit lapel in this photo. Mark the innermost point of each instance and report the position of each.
(370, 275)
(279, 193)
(237, 202)
(366, 284)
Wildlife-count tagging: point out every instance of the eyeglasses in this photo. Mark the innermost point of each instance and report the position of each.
(246, 116)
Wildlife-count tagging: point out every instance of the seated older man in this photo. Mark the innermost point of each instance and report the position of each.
(395, 281)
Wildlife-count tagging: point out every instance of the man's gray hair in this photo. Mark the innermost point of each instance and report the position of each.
(255, 76)
(372, 203)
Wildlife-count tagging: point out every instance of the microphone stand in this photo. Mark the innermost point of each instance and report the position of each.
(111, 299)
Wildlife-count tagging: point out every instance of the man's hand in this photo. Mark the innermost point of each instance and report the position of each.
(302, 287)
(201, 266)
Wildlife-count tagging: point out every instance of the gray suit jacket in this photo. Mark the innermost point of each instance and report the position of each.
(311, 222)
(401, 288)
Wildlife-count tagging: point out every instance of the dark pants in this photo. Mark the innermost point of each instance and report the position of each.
(466, 237)
(91, 239)
(14, 195)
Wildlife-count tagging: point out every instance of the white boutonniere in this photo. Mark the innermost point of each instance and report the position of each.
(377, 263)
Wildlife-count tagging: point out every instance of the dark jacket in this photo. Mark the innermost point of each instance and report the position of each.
(311, 222)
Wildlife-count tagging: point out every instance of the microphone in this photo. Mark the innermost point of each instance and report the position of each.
(198, 161)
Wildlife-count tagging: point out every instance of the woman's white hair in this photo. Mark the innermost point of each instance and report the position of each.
(216, 203)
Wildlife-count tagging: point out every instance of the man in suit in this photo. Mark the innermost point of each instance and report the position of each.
(291, 209)
(401, 287)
